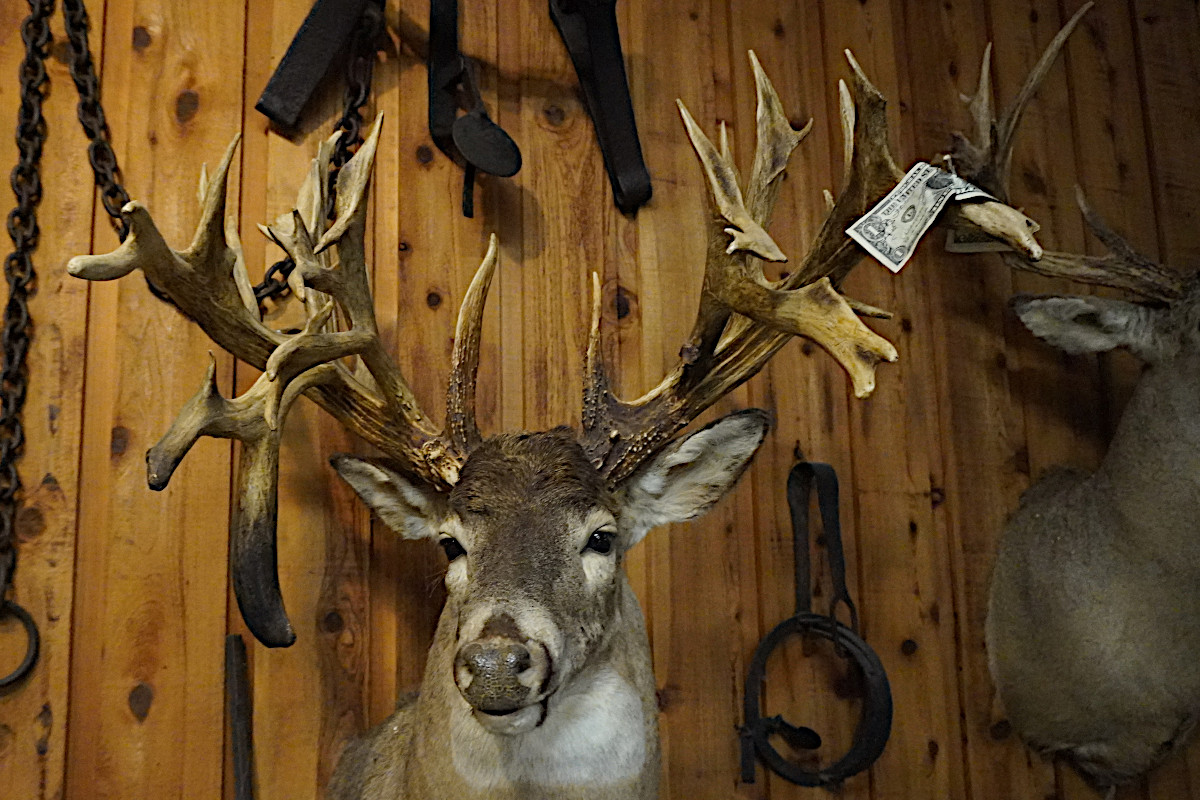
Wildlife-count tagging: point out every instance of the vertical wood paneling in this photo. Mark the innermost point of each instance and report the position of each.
(132, 586)
(146, 661)
(33, 721)
(982, 470)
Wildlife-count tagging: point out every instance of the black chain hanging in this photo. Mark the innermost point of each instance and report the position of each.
(18, 271)
(24, 232)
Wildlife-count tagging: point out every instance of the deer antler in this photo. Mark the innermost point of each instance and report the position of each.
(743, 319)
(208, 282)
(987, 162)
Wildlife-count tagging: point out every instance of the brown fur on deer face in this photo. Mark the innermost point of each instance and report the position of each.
(530, 531)
(535, 538)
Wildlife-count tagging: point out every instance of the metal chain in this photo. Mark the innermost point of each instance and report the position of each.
(18, 271)
(91, 116)
(359, 70)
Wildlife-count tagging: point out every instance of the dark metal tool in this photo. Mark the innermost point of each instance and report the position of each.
(324, 33)
(589, 29)
(875, 720)
(472, 140)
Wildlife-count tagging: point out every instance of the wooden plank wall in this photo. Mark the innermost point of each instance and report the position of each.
(130, 587)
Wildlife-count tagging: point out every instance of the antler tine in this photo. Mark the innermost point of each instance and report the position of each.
(255, 419)
(1121, 268)
(987, 162)
(461, 431)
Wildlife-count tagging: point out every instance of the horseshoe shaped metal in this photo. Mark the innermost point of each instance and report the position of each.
(875, 719)
(32, 638)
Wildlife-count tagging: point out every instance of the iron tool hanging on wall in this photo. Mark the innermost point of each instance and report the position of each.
(875, 720)
(472, 140)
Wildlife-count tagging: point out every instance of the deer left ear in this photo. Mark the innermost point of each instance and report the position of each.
(1079, 324)
(690, 475)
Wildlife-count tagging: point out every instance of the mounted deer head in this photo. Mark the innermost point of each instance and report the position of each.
(540, 668)
(1093, 627)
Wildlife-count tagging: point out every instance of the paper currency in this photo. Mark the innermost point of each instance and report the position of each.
(891, 230)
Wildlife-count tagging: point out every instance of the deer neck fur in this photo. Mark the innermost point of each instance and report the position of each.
(585, 747)
(1152, 469)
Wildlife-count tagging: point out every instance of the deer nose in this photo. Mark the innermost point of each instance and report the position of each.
(496, 675)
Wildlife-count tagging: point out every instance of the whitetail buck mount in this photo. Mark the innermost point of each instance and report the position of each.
(1093, 626)
(540, 667)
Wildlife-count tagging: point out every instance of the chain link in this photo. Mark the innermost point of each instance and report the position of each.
(23, 229)
(18, 271)
(359, 71)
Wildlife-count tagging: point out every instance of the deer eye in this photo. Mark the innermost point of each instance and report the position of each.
(451, 548)
(601, 542)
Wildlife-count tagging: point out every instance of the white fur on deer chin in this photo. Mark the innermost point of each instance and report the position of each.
(587, 739)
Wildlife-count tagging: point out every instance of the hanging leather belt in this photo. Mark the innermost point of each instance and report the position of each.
(589, 29)
(875, 720)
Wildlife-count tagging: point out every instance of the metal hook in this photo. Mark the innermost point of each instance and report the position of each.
(33, 639)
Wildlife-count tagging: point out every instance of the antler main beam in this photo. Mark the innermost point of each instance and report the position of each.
(208, 282)
(743, 319)
(987, 162)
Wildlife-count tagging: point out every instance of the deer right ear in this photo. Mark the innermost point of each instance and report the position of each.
(410, 510)
(1090, 324)
(691, 474)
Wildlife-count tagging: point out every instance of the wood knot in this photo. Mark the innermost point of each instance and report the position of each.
(140, 698)
(333, 622)
(119, 442)
(187, 103)
(31, 523)
(141, 38)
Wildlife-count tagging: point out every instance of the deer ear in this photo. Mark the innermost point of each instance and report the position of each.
(1090, 324)
(691, 474)
(410, 510)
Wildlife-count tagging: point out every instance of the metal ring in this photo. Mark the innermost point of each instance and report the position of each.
(875, 719)
(8, 607)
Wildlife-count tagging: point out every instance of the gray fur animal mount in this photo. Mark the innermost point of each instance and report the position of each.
(1093, 627)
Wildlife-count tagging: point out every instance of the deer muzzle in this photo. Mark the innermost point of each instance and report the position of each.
(501, 676)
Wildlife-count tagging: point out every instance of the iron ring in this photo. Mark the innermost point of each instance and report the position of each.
(33, 638)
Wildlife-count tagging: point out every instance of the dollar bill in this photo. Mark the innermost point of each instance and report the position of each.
(891, 230)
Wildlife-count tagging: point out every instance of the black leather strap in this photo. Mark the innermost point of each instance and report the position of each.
(324, 33)
(589, 29)
(474, 141)
(241, 722)
(875, 720)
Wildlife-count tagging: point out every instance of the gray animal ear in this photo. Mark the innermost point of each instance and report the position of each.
(691, 474)
(411, 510)
(1089, 324)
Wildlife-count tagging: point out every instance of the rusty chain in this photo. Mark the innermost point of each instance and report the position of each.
(14, 340)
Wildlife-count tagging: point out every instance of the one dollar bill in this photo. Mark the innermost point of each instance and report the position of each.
(891, 230)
